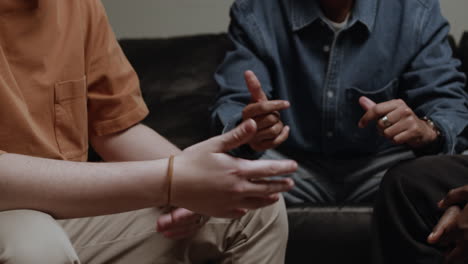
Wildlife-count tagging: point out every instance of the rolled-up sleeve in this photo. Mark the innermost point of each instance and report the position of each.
(245, 55)
(115, 102)
(433, 85)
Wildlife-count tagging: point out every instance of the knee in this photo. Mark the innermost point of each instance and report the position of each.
(408, 175)
(33, 237)
(414, 178)
(271, 219)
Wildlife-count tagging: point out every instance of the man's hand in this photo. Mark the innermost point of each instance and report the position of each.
(271, 132)
(452, 229)
(210, 182)
(180, 223)
(397, 122)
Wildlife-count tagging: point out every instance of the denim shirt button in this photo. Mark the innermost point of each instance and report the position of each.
(330, 94)
(329, 134)
(326, 48)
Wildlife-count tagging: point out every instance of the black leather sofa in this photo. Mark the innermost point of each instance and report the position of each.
(176, 78)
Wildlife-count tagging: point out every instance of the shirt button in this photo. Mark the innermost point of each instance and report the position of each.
(330, 94)
(326, 48)
(329, 134)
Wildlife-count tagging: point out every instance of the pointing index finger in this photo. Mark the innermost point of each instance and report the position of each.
(255, 87)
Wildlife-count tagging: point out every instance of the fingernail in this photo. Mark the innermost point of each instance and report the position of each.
(430, 238)
(293, 165)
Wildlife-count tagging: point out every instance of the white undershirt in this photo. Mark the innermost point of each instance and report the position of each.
(338, 26)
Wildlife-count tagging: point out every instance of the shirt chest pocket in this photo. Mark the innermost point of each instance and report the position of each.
(71, 121)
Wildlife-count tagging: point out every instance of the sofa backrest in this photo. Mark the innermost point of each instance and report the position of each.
(176, 77)
(462, 52)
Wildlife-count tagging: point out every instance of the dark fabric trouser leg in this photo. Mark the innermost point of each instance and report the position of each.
(406, 208)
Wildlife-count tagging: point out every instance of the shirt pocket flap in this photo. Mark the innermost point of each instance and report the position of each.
(386, 93)
(69, 90)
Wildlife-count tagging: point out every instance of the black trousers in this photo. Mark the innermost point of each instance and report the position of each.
(406, 208)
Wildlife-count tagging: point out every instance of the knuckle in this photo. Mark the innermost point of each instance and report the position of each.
(277, 129)
(407, 111)
(238, 189)
(451, 194)
(400, 102)
(409, 129)
(236, 135)
(271, 132)
(272, 118)
(263, 107)
(237, 171)
(270, 189)
(273, 170)
(378, 110)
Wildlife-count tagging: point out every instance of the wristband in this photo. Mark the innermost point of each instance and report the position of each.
(431, 125)
(170, 172)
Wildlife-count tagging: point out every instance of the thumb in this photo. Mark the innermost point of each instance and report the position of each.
(255, 87)
(366, 103)
(240, 135)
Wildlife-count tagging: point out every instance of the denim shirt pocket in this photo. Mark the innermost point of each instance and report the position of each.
(367, 137)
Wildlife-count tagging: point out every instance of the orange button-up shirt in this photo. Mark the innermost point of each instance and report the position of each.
(62, 76)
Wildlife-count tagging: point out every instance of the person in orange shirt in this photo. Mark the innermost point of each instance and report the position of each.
(64, 82)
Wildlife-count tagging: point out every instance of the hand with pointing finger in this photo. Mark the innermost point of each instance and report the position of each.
(397, 122)
(271, 132)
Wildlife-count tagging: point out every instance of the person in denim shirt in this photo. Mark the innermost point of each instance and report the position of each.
(357, 85)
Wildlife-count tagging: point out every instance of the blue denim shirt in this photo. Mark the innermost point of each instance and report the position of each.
(389, 49)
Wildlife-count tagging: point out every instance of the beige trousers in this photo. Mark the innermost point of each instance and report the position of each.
(31, 237)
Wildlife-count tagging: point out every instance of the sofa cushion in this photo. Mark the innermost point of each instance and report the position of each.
(329, 234)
